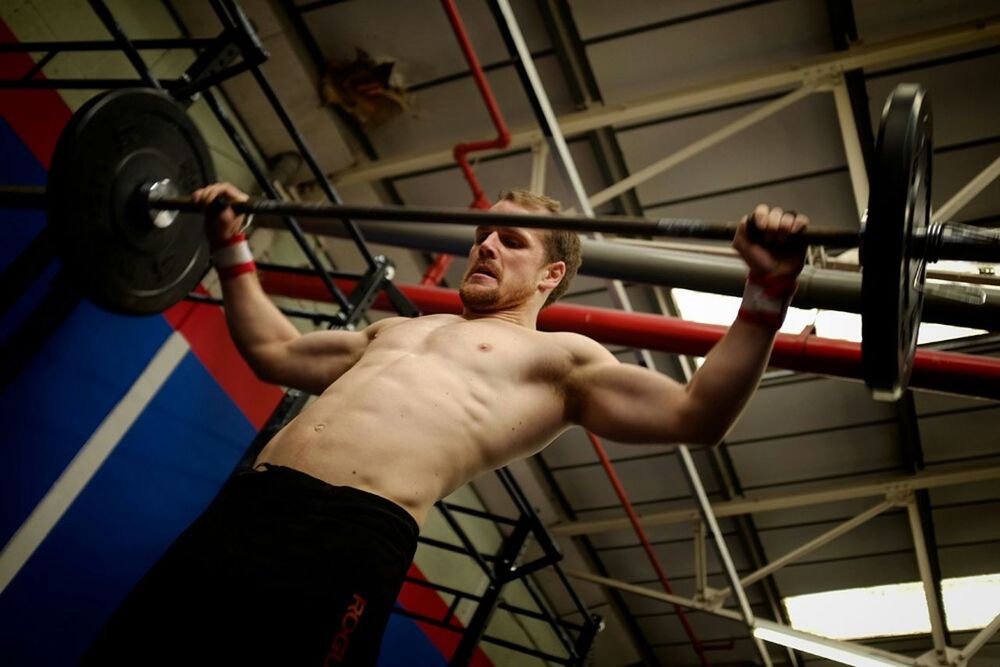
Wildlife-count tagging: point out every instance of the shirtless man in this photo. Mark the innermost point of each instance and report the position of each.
(311, 548)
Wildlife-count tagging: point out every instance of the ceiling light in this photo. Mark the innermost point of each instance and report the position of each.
(842, 652)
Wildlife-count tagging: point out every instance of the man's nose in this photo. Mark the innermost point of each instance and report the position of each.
(488, 246)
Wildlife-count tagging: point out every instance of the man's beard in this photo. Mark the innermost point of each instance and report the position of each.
(487, 298)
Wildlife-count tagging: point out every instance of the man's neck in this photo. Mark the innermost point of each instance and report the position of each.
(526, 318)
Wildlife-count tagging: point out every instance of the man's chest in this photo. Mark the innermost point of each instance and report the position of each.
(498, 350)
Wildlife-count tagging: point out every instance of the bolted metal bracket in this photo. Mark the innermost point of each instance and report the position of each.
(952, 658)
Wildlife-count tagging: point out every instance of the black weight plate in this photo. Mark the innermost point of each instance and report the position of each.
(899, 208)
(114, 144)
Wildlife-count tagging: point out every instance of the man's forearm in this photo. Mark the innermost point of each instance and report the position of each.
(254, 321)
(731, 372)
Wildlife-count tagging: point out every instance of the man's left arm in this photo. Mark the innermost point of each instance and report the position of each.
(630, 404)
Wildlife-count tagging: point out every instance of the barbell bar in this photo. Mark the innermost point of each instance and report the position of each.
(943, 240)
(125, 157)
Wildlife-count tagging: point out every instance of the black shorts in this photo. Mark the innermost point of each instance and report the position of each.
(281, 569)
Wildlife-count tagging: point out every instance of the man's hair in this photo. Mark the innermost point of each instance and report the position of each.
(560, 244)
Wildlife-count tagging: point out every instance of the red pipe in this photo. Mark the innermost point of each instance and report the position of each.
(654, 560)
(435, 272)
(503, 134)
(933, 370)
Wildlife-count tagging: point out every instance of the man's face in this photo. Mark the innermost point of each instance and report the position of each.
(506, 265)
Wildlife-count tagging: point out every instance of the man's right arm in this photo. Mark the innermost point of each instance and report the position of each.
(275, 350)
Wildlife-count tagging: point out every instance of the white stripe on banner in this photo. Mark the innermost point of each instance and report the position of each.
(89, 459)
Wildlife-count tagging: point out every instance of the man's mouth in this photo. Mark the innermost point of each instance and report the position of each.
(484, 271)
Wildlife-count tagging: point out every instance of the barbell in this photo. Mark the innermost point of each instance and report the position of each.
(126, 233)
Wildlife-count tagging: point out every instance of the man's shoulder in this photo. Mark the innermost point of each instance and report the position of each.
(582, 349)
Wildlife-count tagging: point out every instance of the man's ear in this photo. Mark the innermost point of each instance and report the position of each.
(554, 273)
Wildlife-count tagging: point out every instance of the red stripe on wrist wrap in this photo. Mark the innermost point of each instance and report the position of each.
(766, 298)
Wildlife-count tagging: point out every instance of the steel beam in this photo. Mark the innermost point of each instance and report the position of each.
(722, 551)
(816, 543)
(719, 92)
(981, 638)
(878, 656)
(976, 185)
(930, 585)
(752, 505)
(702, 144)
(852, 146)
(652, 593)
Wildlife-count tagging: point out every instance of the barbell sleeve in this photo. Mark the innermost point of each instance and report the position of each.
(953, 240)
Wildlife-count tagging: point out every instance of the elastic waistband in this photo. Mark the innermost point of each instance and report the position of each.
(304, 482)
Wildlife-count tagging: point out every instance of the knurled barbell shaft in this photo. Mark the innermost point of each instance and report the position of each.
(958, 242)
(675, 227)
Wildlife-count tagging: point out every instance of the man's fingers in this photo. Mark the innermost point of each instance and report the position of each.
(776, 224)
(210, 193)
(774, 219)
(800, 223)
(760, 213)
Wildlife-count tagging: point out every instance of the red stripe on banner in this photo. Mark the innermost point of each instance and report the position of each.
(424, 600)
(204, 328)
(36, 116)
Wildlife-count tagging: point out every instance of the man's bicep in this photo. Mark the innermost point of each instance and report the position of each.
(629, 404)
(313, 361)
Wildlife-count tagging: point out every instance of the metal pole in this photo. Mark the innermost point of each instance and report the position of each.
(750, 505)
(926, 576)
(130, 52)
(503, 570)
(700, 561)
(981, 638)
(654, 594)
(705, 509)
(546, 117)
(816, 543)
(852, 145)
(968, 191)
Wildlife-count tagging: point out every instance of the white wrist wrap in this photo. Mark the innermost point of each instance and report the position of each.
(766, 299)
(231, 255)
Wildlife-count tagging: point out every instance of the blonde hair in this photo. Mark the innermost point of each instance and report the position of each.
(560, 245)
